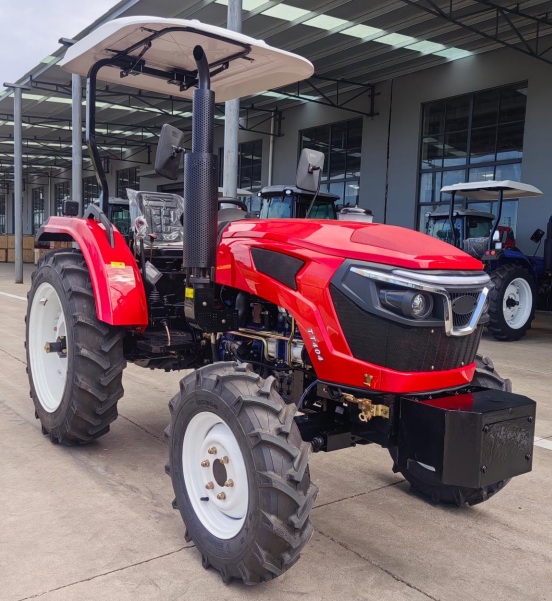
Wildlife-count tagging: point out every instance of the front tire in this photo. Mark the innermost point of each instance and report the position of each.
(76, 386)
(511, 302)
(257, 530)
(425, 481)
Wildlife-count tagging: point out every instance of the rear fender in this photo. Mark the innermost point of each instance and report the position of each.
(116, 281)
(508, 256)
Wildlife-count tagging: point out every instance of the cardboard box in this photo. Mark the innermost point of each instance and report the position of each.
(28, 242)
(61, 244)
(11, 241)
(28, 255)
(3, 255)
(39, 253)
(3, 240)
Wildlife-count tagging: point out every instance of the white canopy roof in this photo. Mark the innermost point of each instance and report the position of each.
(489, 190)
(262, 68)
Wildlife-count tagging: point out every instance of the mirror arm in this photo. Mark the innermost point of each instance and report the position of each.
(497, 220)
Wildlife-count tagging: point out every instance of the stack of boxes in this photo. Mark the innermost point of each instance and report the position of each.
(30, 253)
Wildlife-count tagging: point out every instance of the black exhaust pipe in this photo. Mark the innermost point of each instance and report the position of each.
(548, 248)
(200, 183)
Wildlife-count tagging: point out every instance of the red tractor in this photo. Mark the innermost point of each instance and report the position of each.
(303, 335)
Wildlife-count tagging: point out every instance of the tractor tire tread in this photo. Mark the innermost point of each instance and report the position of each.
(96, 385)
(497, 325)
(283, 525)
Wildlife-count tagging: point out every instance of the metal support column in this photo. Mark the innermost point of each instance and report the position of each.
(18, 176)
(232, 116)
(76, 126)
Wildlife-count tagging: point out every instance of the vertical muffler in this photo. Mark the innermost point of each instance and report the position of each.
(200, 183)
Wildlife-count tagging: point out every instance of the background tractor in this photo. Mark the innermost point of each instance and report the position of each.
(302, 335)
(521, 283)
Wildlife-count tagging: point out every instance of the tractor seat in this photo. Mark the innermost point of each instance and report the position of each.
(162, 213)
(227, 216)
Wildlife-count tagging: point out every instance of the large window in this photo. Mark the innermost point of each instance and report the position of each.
(3, 208)
(341, 144)
(127, 178)
(475, 137)
(250, 165)
(62, 191)
(38, 208)
(90, 191)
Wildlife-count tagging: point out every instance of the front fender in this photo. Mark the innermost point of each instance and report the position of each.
(116, 281)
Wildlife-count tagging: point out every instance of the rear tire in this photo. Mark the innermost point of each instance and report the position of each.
(425, 482)
(269, 522)
(511, 302)
(81, 403)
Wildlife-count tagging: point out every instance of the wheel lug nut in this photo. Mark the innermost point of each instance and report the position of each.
(212, 451)
(221, 496)
(225, 459)
(229, 483)
(209, 486)
(205, 463)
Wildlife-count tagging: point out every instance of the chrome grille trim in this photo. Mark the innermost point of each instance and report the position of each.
(413, 280)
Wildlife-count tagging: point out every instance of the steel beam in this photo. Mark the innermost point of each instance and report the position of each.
(18, 176)
(76, 129)
(527, 29)
(232, 117)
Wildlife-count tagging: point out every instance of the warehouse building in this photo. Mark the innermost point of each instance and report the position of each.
(408, 96)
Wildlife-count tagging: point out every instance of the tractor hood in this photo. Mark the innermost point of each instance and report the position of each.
(372, 242)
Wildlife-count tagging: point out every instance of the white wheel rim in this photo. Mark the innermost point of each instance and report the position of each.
(47, 325)
(517, 303)
(223, 518)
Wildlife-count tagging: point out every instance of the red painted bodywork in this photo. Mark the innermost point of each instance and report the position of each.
(323, 246)
(116, 281)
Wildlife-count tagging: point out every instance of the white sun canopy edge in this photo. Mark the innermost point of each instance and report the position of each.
(261, 68)
(489, 190)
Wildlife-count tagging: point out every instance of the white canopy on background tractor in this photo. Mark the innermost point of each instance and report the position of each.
(490, 190)
(167, 45)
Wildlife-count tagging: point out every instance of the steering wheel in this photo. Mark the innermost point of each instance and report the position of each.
(233, 201)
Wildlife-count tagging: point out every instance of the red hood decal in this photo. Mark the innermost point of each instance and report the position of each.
(373, 242)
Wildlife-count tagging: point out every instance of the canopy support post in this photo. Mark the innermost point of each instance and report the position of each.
(232, 117)
(76, 127)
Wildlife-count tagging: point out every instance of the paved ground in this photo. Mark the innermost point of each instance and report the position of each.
(96, 522)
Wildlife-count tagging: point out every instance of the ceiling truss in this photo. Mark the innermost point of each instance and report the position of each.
(502, 23)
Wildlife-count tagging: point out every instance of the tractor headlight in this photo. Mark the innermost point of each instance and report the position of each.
(412, 304)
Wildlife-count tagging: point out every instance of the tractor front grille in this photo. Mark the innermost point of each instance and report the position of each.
(400, 347)
(459, 320)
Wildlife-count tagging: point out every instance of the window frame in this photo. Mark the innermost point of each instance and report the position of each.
(66, 186)
(134, 183)
(37, 223)
(91, 181)
(326, 180)
(468, 165)
(3, 214)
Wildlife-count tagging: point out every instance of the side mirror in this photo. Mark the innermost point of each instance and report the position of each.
(169, 149)
(537, 236)
(309, 170)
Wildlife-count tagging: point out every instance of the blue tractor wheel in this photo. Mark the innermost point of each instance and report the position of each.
(511, 302)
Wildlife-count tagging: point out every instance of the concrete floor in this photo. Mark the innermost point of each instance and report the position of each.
(96, 522)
